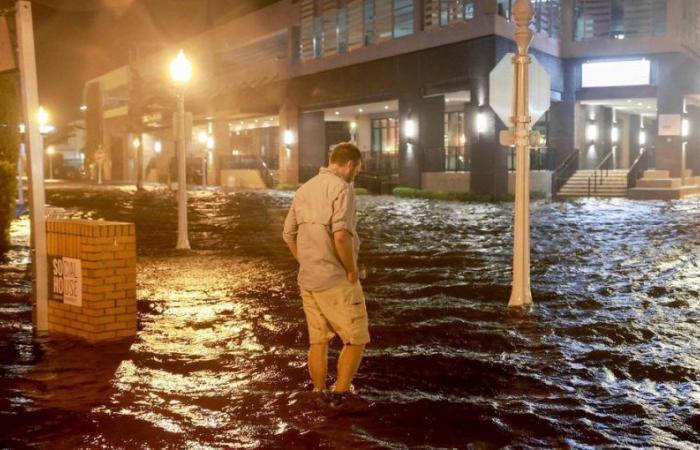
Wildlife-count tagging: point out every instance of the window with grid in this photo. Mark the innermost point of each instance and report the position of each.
(385, 135)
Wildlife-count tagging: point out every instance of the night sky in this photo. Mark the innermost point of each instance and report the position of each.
(79, 39)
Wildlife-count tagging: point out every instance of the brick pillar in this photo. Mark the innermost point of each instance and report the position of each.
(92, 278)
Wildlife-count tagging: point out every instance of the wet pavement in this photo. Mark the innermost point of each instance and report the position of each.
(608, 356)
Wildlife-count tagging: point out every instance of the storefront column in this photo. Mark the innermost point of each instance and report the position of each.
(669, 149)
(424, 134)
(693, 147)
(222, 149)
(289, 144)
(635, 128)
(312, 144)
(489, 160)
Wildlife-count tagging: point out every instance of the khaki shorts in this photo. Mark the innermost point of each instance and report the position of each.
(339, 310)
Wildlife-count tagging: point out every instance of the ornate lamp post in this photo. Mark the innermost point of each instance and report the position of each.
(521, 295)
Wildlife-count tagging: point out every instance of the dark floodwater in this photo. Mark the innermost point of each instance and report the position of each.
(609, 355)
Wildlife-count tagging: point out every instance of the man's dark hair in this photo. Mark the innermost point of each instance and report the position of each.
(344, 152)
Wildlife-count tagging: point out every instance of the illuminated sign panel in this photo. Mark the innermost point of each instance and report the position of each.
(616, 73)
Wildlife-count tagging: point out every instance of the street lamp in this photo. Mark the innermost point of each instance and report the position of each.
(50, 151)
(181, 72)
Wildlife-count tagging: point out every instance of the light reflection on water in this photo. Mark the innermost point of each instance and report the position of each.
(607, 356)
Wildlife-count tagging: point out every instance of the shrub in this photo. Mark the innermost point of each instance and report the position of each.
(407, 192)
(361, 191)
(9, 150)
(8, 192)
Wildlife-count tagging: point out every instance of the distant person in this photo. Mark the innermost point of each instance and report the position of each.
(320, 232)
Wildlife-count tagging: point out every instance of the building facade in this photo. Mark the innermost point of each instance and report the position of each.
(408, 81)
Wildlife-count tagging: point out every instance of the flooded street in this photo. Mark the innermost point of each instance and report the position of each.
(609, 354)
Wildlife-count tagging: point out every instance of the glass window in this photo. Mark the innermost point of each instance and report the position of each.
(368, 18)
(385, 136)
(505, 7)
(403, 18)
(456, 154)
(318, 37)
(469, 9)
(342, 30)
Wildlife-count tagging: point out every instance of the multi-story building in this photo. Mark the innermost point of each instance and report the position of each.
(408, 81)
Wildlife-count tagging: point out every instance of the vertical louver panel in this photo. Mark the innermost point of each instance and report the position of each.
(355, 28)
(329, 16)
(431, 14)
(306, 32)
(383, 19)
(620, 19)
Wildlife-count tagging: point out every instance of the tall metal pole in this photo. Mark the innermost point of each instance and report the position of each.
(521, 294)
(20, 174)
(30, 107)
(183, 242)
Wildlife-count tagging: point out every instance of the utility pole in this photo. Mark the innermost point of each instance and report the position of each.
(30, 107)
(521, 295)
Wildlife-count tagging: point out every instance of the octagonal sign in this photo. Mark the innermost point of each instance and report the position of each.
(502, 89)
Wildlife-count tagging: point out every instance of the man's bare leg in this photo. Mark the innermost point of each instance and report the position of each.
(348, 362)
(318, 365)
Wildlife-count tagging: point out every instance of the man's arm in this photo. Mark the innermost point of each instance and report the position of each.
(293, 248)
(290, 231)
(343, 246)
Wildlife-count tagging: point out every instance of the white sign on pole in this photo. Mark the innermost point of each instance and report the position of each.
(100, 155)
(502, 89)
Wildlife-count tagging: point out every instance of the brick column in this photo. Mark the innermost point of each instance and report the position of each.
(92, 278)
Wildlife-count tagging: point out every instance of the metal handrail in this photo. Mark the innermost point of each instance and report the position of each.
(638, 167)
(564, 171)
(599, 168)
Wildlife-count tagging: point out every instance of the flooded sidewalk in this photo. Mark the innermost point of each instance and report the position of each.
(607, 356)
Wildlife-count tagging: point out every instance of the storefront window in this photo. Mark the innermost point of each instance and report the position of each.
(403, 18)
(385, 136)
(456, 154)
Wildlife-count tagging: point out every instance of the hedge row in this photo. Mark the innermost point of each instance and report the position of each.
(9, 151)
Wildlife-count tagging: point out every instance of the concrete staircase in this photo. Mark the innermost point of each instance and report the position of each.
(658, 185)
(614, 185)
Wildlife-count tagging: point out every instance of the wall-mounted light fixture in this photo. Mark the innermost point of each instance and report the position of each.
(480, 123)
(202, 137)
(614, 134)
(158, 147)
(136, 143)
(210, 143)
(642, 137)
(591, 132)
(685, 128)
(288, 138)
(410, 128)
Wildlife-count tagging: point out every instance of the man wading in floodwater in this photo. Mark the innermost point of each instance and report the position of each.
(320, 232)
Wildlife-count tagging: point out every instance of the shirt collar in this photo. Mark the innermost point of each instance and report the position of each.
(323, 170)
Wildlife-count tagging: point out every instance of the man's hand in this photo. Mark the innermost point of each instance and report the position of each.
(343, 246)
(293, 248)
(352, 277)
